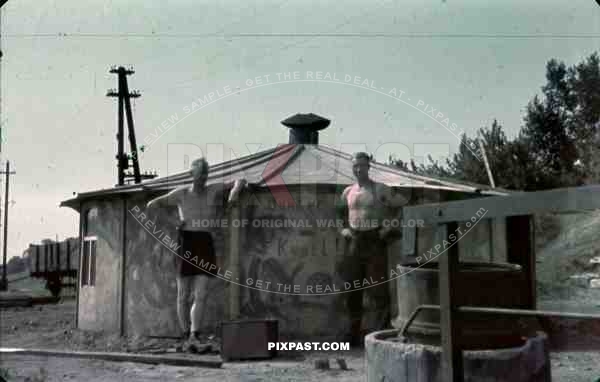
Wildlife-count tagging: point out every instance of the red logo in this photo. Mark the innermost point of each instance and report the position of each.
(272, 175)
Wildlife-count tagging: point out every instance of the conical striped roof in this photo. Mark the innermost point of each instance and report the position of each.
(291, 165)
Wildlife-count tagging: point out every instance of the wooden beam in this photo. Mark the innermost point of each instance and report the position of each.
(562, 200)
(452, 362)
(174, 360)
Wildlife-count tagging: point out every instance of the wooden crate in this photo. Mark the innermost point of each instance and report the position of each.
(248, 339)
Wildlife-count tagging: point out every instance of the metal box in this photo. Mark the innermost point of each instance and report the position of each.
(248, 339)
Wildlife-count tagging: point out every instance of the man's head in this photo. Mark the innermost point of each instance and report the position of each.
(199, 170)
(360, 165)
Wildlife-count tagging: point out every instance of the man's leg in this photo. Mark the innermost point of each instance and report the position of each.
(379, 296)
(184, 288)
(355, 307)
(200, 294)
(200, 284)
(353, 269)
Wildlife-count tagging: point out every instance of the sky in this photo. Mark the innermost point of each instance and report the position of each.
(400, 73)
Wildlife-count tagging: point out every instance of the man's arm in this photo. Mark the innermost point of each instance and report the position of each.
(342, 213)
(230, 195)
(163, 201)
(237, 188)
(393, 202)
(232, 191)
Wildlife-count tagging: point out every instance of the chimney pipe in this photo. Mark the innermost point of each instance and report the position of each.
(304, 128)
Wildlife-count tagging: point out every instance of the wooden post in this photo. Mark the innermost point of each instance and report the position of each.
(521, 251)
(123, 281)
(37, 259)
(234, 261)
(498, 239)
(46, 261)
(490, 233)
(57, 245)
(409, 241)
(452, 362)
(79, 262)
(68, 256)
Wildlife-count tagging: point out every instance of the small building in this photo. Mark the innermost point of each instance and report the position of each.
(262, 266)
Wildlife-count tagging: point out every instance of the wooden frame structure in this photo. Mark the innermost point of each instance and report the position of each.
(518, 210)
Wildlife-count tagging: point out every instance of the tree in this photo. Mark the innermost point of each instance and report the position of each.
(431, 168)
(402, 165)
(558, 145)
(562, 128)
(584, 80)
(548, 122)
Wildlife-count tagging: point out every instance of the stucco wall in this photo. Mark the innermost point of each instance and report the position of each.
(291, 256)
(295, 257)
(99, 305)
(151, 289)
(299, 256)
(303, 257)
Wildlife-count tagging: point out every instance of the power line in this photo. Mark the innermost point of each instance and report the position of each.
(273, 50)
(304, 35)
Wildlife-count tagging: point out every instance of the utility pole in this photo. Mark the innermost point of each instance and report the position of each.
(4, 281)
(487, 164)
(124, 111)
(8, 173)
(124, 99)
(2, 2)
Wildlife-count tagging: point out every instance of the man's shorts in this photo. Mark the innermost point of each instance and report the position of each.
(365, 257)
(196, 249)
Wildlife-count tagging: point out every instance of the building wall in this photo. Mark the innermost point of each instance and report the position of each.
(99, 305)
(291, 256)
(151, 289)
(302, 256)
(294, 257)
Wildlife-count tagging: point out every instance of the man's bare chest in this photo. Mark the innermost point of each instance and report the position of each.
(194, 203)
(362, 197)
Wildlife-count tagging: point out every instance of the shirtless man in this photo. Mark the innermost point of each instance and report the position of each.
(195, 204)
(365, 206)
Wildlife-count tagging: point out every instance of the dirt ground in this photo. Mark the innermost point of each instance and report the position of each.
(52, 327)
(57, 369)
